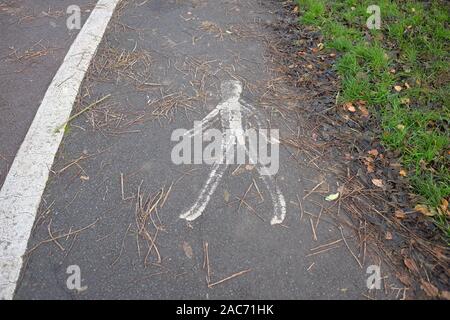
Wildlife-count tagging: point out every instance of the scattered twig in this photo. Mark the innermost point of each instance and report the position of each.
(314, 189)
(76, 115)
(348, 247)
(210, 285)
(60, 237)
(313, 229)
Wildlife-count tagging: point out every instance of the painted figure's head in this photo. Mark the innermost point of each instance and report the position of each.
(231, 89)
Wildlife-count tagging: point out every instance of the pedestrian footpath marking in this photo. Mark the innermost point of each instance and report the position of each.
(22, 190)
(230, 113)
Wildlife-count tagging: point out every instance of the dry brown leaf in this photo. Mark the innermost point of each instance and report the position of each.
(404, 278)
(444, 204)
(373, 152)
(403, 173)
(423, 209)
(411, 265)
(295, 9)
(429, 289)
(405, 100)
(445, 295)
(188, 250)
(398, 88)
(349, 107)
(444, 207)
(400, 214)
(378, 182)
(364, 111)
(370, 167)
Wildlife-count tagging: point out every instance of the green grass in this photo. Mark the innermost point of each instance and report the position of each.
(410, 50)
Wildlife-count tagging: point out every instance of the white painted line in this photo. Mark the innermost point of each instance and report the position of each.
(22, 190)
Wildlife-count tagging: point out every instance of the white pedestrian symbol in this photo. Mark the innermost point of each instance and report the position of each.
(230, 112)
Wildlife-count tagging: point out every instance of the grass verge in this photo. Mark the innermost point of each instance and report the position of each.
(401, 71)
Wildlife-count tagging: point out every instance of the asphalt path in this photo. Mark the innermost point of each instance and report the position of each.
(113, 201)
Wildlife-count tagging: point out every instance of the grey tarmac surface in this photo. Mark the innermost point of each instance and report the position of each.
(33, 43)
(163, 63)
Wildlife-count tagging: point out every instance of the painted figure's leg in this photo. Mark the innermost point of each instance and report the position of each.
(278, 201)
(207, 191)
(210, 186)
